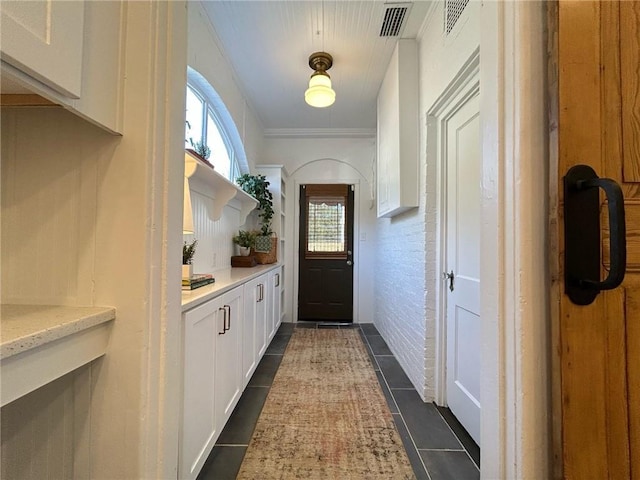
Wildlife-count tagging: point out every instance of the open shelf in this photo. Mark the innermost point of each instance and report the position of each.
(223, 190)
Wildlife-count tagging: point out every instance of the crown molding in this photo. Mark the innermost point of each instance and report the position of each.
(320, 133)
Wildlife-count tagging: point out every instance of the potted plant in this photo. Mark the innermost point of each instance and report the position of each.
(188, 251)
(265, 244)
(245, 241)
(200, 150)
(258, 187)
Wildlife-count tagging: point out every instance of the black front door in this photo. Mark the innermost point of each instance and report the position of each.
(325, 290)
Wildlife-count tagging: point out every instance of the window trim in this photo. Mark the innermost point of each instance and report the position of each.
(223, 120)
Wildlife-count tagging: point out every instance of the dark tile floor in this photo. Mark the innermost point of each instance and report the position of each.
(437, 445)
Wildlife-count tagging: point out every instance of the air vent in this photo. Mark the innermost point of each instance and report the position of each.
(452, 11)
(394, 16)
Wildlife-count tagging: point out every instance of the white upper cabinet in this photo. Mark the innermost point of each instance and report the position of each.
(68, 52)
(398, 121)
(43, 38)
(103, 65)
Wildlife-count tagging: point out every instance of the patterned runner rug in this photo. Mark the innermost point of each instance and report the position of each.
(326, 416)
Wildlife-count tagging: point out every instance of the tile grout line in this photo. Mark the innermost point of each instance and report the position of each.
(399, 412)
(441, 449)
(410, 389)
(459, 441)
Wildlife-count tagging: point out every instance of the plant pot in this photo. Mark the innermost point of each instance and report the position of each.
(263, 243)
(271, 256)
(187, 272)
(244, 251)
(200, 157)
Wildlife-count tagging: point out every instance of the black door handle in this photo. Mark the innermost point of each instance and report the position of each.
(449, 276)
(582, 241)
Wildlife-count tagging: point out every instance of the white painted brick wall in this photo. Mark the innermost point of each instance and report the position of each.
(400, 308)
(407, 266)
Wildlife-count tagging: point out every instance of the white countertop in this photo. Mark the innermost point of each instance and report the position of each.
(225, 280)
(25, 327)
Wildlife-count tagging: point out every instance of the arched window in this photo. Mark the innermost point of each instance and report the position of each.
(208, 121)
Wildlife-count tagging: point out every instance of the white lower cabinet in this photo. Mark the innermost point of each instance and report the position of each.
(224, 340)
(212, 376)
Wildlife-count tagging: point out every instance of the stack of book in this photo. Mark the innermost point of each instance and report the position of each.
(197, 280)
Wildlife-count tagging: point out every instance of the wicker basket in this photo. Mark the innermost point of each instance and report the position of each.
(271, 256)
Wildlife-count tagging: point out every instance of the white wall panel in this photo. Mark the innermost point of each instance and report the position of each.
(49, 205)
(44, 433)
(215, 248)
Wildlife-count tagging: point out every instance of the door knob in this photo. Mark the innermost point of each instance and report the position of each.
(450, 277)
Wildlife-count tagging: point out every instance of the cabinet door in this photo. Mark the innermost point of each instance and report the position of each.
(103, 64)
(276, 288)
(229, 378)
(261, 316)
(44, 39)
(398, 188)
(199, 427)
(249, 351)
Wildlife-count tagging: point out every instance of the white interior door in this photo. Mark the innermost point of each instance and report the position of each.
(463, 167)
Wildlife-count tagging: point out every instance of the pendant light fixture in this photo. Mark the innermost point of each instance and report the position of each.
(320, 94)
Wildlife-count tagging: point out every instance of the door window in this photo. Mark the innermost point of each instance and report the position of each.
(326, 221)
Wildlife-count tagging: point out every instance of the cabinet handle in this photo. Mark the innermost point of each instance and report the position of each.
(227, 317)
(224, 321)
(260, 292)
(277, 279)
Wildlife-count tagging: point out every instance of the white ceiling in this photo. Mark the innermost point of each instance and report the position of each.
(269, 42)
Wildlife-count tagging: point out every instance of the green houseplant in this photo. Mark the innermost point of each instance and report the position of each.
(245, 240)
(258, 187)
(188, 251)
(201, 149)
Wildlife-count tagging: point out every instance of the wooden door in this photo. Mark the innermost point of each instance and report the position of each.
(463, 162)
(325, 288)
(598, 56)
